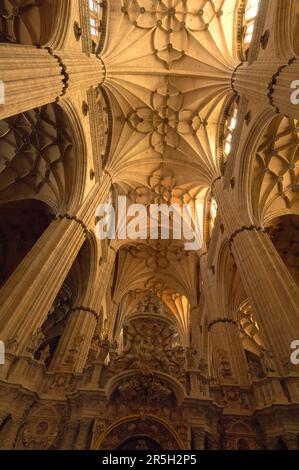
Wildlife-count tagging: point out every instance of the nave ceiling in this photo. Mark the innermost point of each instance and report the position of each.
(166, 101)
(168, 74)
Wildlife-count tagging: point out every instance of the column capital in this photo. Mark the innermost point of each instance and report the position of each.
(222, 320)
(274, 81)
(86, 310)
(216, 181)
(44, 76)
(245, 229)
(268, 84)
(234, 77)
(75, 219)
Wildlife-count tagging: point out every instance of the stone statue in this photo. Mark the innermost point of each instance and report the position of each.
(255, 370)
(12, 344)
(45, 354)
(148, 346)
(74, 350)
(224, 364)
(268, 362)
(203, 367)
(104, 348)
(142, 445)
(35, 341)
(190, 354)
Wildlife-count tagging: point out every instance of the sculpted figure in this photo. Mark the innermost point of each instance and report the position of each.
(104, 348)
(45, 354)
(12, 344)
(35, 341)
(203, 367)
(268, 362)
(190, 354)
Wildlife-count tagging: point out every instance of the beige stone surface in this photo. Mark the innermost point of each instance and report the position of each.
(168, 102)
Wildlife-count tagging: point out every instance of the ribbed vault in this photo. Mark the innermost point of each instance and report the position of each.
(169, 67)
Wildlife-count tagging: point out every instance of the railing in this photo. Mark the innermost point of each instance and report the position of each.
(93, 19)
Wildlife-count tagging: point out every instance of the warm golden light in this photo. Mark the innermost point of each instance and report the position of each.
(229, 128)
(251, 11)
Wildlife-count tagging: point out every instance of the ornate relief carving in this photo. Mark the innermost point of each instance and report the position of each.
(141, 428)
(12, 344)
(147, 346)
(233, 398)
(35, 341)
(74, 350)
(99, 349)
(224, 365)
(268, 362)
(45, 354)
(42, 428)
(191, 354)
(145, 389)
(239, 435)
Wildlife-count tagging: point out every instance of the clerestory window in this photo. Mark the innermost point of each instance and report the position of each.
(251, 11)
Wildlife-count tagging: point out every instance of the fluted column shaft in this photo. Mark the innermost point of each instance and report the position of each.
(269, 84)
(81, 441)
(198, 438)
(73, 345)
(271, 290)
(11, 435)
(34, 77)
(284, 86)
(228, 354)
(72, 351)
(69, 435)
(225, 338)
(27, 296)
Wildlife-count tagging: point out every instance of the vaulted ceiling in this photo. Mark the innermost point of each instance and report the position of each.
(169, 66)
(168, 72)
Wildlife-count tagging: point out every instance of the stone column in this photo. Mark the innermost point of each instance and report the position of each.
(271, 290)
(81, 441)
(284, 84)
(228, 353)
(72, 351)
(269, 84)
(70, 435)
(3, 416)
(34, 76)
(198, 436)
(11, 435)
(74, 345)
(27, 296)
